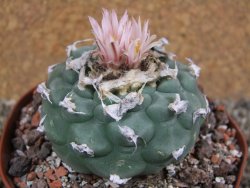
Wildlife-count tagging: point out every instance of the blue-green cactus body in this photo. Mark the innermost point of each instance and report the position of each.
(160, 131)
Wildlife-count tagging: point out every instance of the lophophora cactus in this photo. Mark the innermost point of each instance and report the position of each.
(123, 106)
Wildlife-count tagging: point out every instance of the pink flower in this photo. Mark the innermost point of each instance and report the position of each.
(121, 41)
(140, 43)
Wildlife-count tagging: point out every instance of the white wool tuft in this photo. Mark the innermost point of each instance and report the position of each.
(44, 91)
(166, 71)
(72, 47)
(69, 105)
(40, 128)
(177, 153)
(161, 43)
(129, 134)
(131, 100)
(117, 180)
(78, 63)
(194, 69)
(199, 112)
(82, 148)
(179, 106)
(171, 56)
(51, 67)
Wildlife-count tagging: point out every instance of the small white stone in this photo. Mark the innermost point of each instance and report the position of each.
(83, 183)
(177, 153)
(29, 183)
(116, 179)
(96, 184)
(20, 153)
(222, 127)
(54, 154)
(220, 180)
(171, 169)
(236, 153)
(178, 106)
(113, 185)
(57, 162)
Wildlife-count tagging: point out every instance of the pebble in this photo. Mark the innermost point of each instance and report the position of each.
(222, 128)
(31, 176)
(19, 166)
(50, 174)
(170, 169)
(61, 171)
(45, 150)
(35, 120)
(220, 180)
(39, 175)
(32, 137)
(72, 177)
(215, 159)
(223, 169)
(22, 185)
(204, 149)
(18, 143)
(55, 184)
(57, 162)
(39, 183)
(97, 183)
(17, 179)
(231, 179)
(219, 185)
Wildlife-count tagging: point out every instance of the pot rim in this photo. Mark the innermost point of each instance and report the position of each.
(27, 97)
(7, 132)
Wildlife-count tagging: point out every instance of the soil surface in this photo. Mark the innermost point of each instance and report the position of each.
(212, 163)
(215, 34)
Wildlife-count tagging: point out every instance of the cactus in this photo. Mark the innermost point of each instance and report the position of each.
(136, 128)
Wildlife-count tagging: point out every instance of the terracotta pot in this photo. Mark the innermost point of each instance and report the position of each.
(10, 125)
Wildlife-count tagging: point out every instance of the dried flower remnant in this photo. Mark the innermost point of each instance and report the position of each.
(122, 41)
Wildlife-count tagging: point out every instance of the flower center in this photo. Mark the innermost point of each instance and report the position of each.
(137, 46)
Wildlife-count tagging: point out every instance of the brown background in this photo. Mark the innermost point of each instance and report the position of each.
(216, 34)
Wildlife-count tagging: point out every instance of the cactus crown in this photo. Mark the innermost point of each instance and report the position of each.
(121, 43)
(123, 106)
